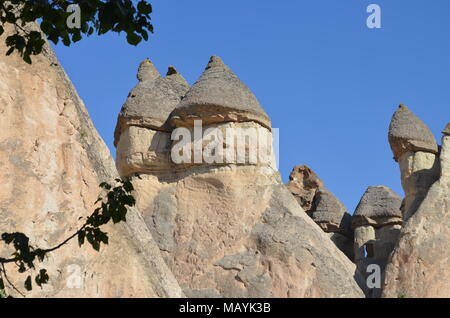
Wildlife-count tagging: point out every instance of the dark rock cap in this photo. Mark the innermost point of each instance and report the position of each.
(407, 132)
(446, 130)
(329, 213)
(378, 206)
(219, 96)
(150, 103)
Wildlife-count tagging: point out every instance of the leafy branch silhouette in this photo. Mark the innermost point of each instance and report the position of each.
(95, 16)
(113, 207)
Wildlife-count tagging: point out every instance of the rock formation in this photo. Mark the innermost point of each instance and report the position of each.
(142, 133)
(212, 218)
(376, 222)
(303, 184)
(51, 163)
(226, 225)
(415, 149)
(419, 265)
(323, 207)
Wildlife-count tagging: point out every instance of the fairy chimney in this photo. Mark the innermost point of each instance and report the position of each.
(142, 134)
(415, 149)
(377, 222)
(220, 106)
(219, 222)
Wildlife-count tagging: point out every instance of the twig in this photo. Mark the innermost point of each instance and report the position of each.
(9, 282)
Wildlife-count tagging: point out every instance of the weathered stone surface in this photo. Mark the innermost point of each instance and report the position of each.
(323, 207)
(152, 100)
(419, 170)
(378, 206)
(51, 162)
(303, 184)
(147, 71)
(446, 130)
(237, 232)
(233, 229)
(376, 222)
(407, 132)
(219, 96)
(419, 266)
(329, 213)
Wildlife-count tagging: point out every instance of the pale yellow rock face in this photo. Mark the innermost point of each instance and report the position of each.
(237, 232)
(419, 266)
(51, 162)
(143, 150)
(233, 229)
(419, 170)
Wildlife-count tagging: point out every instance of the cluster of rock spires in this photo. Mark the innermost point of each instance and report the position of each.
(407, 238)
(210, 230)
(225, 230)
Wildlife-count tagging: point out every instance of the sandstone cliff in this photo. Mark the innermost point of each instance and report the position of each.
(51, 162)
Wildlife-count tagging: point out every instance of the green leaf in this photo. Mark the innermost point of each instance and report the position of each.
(133, 38)
(144, 7)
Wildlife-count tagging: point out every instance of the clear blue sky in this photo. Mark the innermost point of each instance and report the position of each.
(328, 82)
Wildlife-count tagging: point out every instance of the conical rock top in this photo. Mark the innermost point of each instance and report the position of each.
(378, 206)
(147, 71)
(219, 96)
(150, 103)
(446, 130)
(407, 132)
(329, 213)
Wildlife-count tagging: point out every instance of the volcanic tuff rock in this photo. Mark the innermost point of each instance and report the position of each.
(232, 229)
(378, 206)
(415, 149)
(376, 222)
(419, 266)
(329, 213)
(407, 132)
(322, 206)
(446, 130)
(142, 133)
(51, 163)
(303, 184)
(152, 100)
(219, 96)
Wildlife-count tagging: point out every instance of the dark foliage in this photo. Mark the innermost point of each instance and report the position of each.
(97, 16)
(112, 207)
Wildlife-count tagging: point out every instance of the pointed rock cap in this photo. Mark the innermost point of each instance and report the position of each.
(147, 71)
(407, 132)
(379, 206)
(219, 96)
(329, 213)
(446, 130)
(150, 103)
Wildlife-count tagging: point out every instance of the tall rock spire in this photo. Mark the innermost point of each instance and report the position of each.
(407, 132)
(219, 96)
(152, 100)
